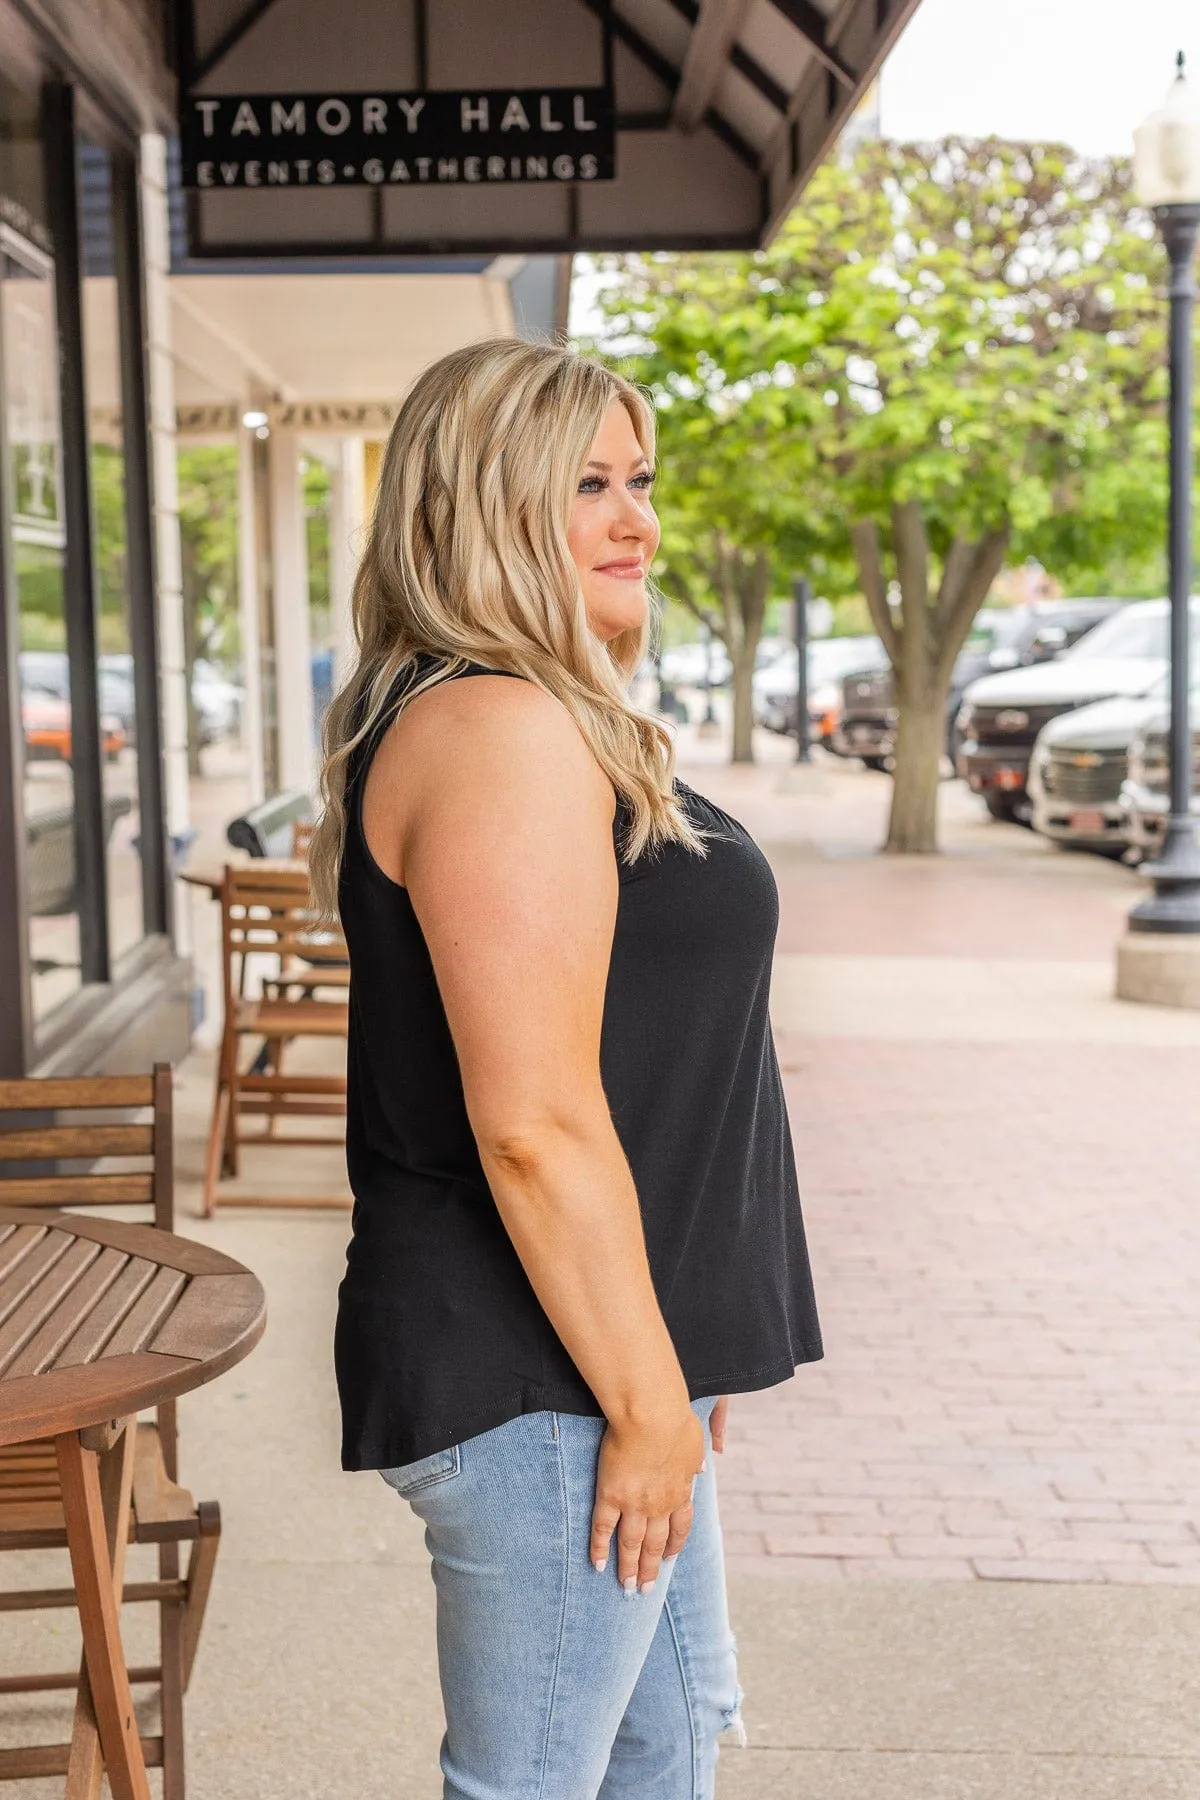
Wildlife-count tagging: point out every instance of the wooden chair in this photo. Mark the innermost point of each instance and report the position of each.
(267, 914)
(162, 1512)
(302, 837)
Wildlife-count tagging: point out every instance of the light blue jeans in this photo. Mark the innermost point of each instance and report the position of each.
(557, 1685)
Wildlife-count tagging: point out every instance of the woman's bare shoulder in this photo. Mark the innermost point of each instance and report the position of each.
(497, 722)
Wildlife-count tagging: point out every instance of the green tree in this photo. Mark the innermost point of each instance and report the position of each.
(959, 349)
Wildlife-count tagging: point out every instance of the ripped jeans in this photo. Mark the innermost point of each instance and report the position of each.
(556, 1684)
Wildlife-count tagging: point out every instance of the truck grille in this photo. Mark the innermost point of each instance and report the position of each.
(1084, 777)
(1012, 727)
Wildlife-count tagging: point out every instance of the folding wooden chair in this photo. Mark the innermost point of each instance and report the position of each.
(162, 1512)
(267, 915)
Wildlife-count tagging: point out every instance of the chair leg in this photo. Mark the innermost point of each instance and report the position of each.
(96, 1508)
(171, 1652)
(229, 1158)
(201, 1564)
(214, 1155)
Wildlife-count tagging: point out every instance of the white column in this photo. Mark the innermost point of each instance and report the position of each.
(347, 524)
(169, 562)
(289, 599)
(249, 601)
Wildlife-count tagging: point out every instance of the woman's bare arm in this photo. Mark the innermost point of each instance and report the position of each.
(486, 802)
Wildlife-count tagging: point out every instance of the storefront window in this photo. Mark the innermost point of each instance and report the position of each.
(33, 451)
(118, 723)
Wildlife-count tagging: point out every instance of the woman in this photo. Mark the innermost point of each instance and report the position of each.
(576, 1222)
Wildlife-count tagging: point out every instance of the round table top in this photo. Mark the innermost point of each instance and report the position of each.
(99, 1319)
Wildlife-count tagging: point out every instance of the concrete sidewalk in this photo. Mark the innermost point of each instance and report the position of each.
(999, 1170)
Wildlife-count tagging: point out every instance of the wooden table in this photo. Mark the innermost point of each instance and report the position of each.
(98, 1320)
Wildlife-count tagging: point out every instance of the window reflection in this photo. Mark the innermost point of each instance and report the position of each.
(29, 372)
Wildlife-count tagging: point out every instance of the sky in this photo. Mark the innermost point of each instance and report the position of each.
(1083, 72)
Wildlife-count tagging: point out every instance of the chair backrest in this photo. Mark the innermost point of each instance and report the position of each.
(34, 1133)
(266, 830)
(268, 911)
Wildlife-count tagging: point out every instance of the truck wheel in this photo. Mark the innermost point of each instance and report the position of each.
(878, 763)
(1002, 807)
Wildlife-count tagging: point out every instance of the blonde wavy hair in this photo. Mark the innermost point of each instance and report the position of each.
(467, 561)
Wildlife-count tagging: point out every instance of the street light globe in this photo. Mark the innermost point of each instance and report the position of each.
(1166, 148)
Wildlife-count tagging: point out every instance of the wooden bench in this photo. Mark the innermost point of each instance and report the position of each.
(50, 855)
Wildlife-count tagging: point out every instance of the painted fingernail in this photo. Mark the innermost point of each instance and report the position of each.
(647, 1587)
(600, 1563)
(704, 1467)
(630, 1584)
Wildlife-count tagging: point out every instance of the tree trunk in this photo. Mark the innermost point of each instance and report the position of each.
(741, 687)
(922, 643)
(920, 734)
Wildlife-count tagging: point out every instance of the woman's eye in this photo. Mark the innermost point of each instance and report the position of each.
(643, 483)
(592, 484)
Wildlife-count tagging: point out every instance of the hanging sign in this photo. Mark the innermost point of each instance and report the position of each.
(394, 140)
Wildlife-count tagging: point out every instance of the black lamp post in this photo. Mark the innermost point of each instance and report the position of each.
(1167, 177)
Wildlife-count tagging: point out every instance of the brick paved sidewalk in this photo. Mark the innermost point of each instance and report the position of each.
(1006, 1234)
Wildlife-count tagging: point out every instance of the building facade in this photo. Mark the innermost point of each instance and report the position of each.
(89, 971)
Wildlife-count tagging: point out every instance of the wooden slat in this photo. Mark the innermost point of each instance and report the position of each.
(57, 1289)
(216, 1311)
(37, 1094)
(40, 1257)
(53, 1759)
(292, 1084)
(278, 1108)
(19, 1243)
(148, 1313)
(93, 1334)
(44, 1348)
(52, 1142)
(77, 1190)
(300, 1018)
(174, 1252)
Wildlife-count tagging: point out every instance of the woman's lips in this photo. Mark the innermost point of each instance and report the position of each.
(629, 568)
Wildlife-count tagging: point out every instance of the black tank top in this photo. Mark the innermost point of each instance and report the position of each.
(439, 1334)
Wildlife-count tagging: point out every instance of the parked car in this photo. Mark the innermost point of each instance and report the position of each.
(1002, 716)
(46, 725)
(688, 665)
(998, 640)
(829, 659)
(217, 700)
(1145, 791)
(1079, 767)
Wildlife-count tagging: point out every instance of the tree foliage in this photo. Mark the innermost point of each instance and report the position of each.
(952, 354)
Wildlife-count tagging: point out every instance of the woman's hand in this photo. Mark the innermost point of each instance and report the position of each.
(644, 1493)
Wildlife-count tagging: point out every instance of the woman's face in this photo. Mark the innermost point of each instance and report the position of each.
(614, 532)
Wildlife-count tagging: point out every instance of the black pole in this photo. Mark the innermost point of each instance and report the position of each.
(802, 594)
(87, 778)
(1175, 903)
(157, 885)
